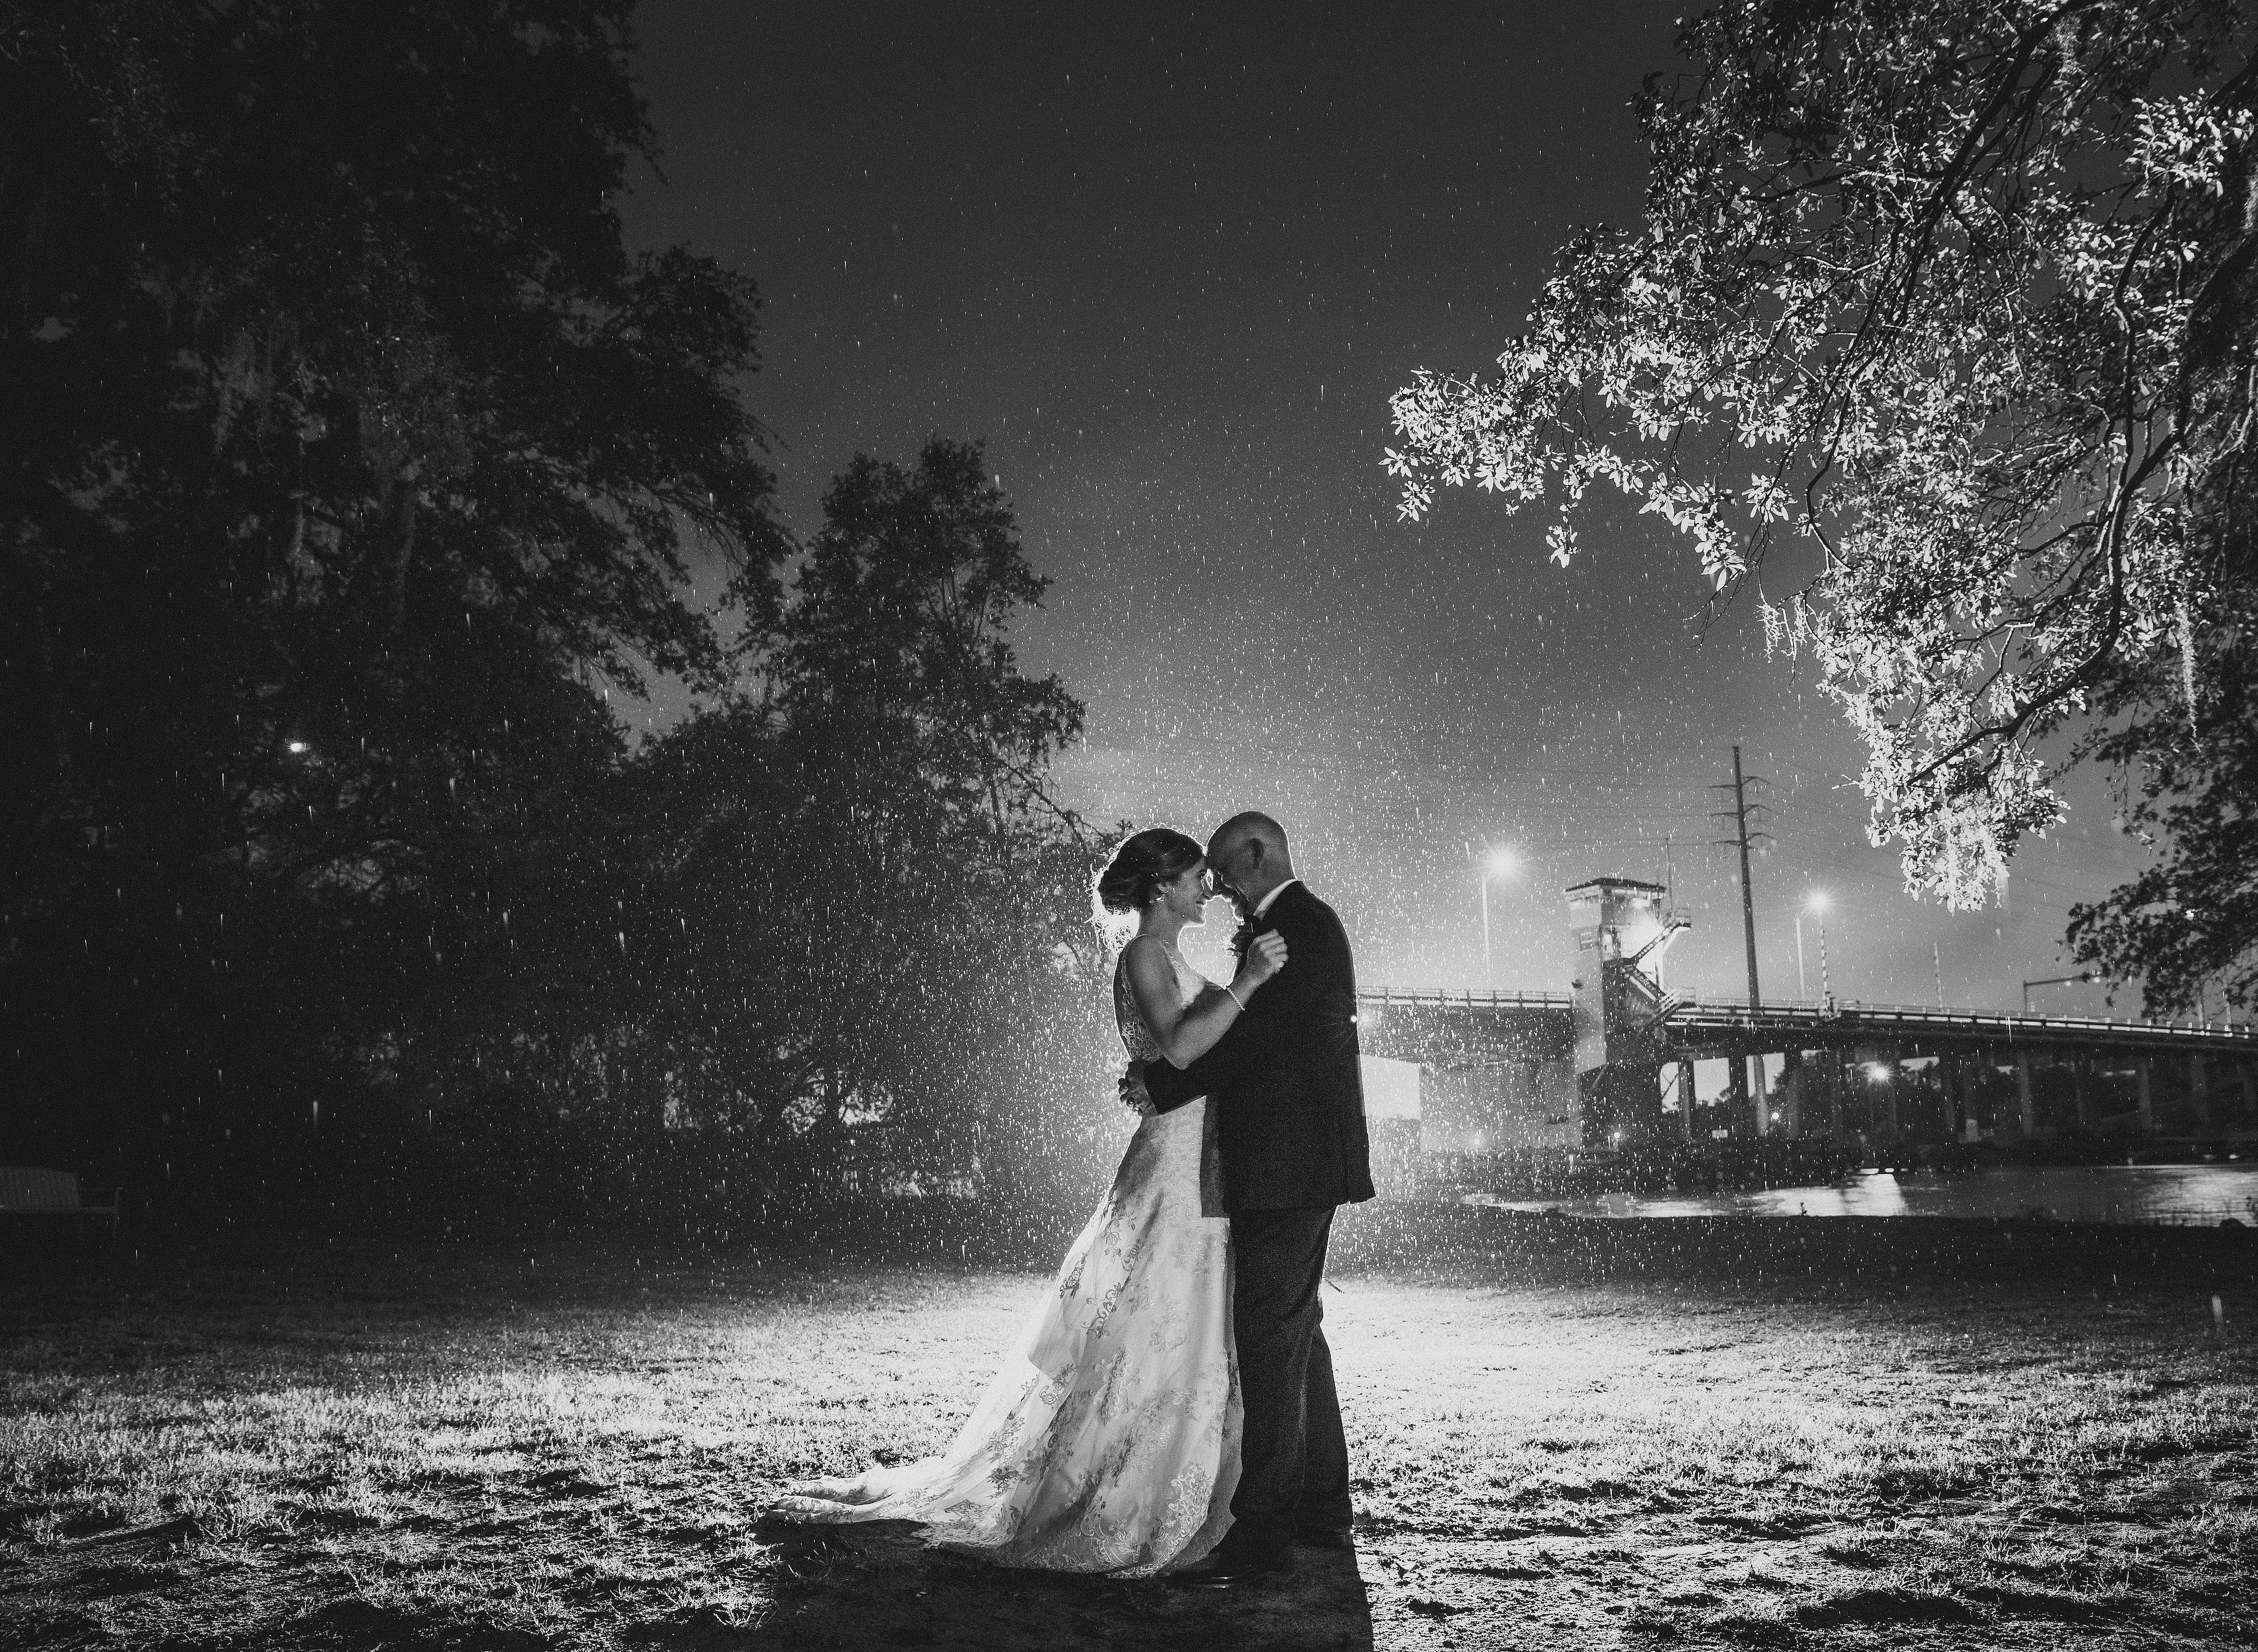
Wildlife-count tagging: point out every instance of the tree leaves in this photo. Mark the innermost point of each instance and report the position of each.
(1953, 273)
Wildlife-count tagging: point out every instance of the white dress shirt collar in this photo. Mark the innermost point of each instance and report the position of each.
(1268, 901)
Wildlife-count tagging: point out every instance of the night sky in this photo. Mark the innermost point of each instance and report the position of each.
(1170, 262)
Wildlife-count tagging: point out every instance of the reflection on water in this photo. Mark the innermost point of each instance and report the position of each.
(2190, 1194)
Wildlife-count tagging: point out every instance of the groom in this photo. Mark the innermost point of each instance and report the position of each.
(1288, 1096)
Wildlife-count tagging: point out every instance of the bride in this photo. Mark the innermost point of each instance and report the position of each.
(1109, 1442)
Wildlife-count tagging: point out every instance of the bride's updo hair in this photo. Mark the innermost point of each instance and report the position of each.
(1145, 861)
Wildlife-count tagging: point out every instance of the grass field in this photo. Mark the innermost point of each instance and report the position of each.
(1566, 1434)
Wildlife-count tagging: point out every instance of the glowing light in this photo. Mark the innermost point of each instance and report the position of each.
(1817, 902)
(1878, 1071)
(298, 747)
(1503, 862)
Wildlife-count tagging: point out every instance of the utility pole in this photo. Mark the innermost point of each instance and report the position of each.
(1669, 882)
(1741, 839)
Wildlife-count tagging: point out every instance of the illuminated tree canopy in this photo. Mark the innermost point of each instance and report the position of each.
(1962, 292)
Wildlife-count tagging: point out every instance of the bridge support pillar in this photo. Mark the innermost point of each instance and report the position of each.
(2081, 1083)
(2198, 1082)
(1622, 1103)
(2144, 1070)
(1954, 1066)
(2250, 1093)
(1791, 1093)
(1738, 1111)
(2027, 1118)
(1685, 1099)
(1982, 1099)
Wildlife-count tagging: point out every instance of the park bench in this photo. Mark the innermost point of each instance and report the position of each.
(44, 1195)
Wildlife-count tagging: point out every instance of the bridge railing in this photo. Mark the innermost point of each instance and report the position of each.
(1699, 1007)
(1439, 997)
(1701, 1004)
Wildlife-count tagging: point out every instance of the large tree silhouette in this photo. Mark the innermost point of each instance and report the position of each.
(348, 460)
(851, 909)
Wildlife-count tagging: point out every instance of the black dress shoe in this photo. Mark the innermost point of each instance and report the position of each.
(1229, 1571)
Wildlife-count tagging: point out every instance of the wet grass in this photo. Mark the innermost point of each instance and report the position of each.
(1686, 1433)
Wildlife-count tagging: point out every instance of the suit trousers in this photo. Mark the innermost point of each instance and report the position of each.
(1293, 1469)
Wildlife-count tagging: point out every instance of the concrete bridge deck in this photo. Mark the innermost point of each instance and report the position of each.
(1465, 1030)
(1728, 1026)
(1596, 1064)
(1517, 1067)
(1438, 1024)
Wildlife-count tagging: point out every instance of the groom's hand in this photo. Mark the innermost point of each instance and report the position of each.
(1134, 1095)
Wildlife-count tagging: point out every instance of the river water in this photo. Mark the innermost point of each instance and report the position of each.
(2183, 1194)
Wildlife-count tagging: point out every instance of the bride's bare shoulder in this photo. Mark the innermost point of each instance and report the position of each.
(1145, 956)
(1151, 969)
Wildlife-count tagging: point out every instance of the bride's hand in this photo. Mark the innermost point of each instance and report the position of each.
(1266, 956)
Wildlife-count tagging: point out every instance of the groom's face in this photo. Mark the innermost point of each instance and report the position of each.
(1224, 860)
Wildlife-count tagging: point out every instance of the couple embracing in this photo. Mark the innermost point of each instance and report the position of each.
(1171, 1406)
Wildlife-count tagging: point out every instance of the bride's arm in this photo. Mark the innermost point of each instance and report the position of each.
(1188, 1032)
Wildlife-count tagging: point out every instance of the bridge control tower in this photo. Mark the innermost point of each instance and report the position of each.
(1616, 1002)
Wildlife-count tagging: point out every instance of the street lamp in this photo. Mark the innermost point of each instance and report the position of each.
(1500, 863)
(1816, 905)
(2051, 981)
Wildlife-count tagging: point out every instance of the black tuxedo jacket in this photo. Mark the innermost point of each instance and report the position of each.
(1284, 1082)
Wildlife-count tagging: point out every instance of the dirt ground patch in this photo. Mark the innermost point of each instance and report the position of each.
(1569, 1434)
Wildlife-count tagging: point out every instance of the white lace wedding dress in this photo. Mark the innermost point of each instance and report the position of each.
(1109, 1442)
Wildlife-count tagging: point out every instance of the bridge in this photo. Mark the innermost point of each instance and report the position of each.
(1614, 1061)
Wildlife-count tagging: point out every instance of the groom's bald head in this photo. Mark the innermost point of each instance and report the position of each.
(1249, 855)
(1254, 824)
